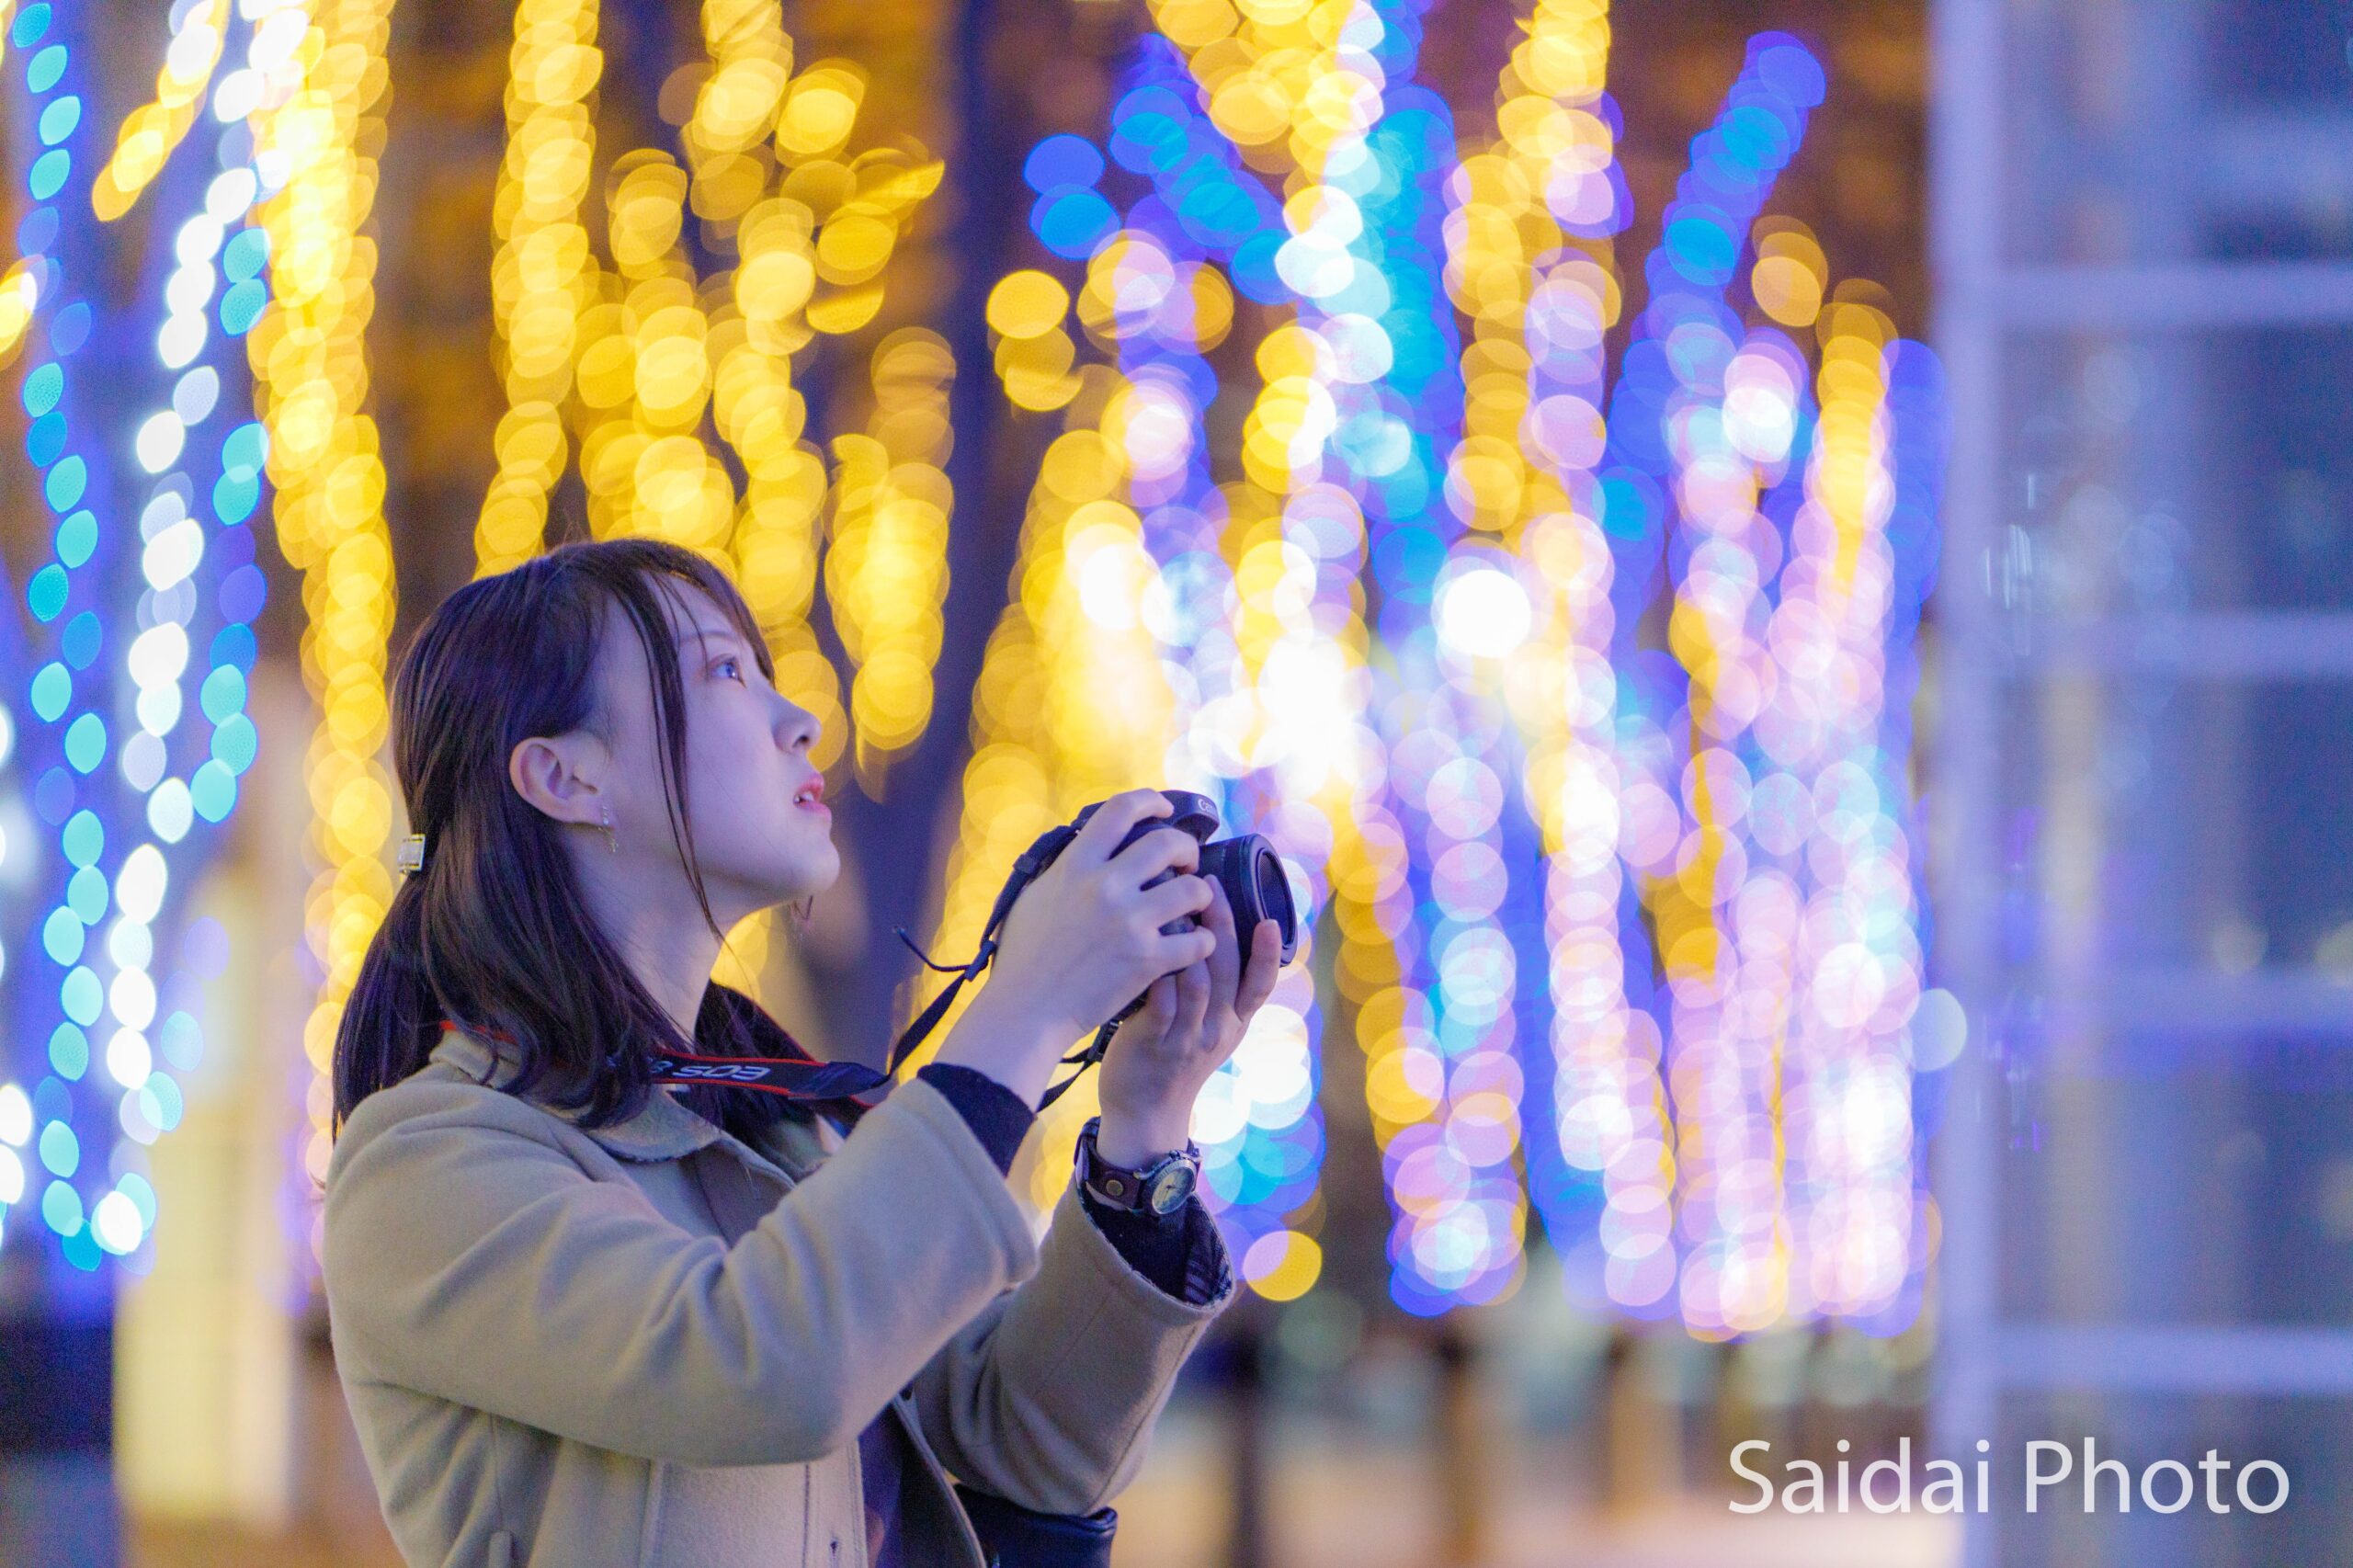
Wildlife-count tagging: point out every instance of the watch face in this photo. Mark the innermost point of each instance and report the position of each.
(1175, 1185)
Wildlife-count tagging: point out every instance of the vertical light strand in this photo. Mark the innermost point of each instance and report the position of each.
(1858, 942)
(1158, 292)
(157, 1036)
(1606, 1119)
(1275, 689)
(1520, 208)
(1730, 441)
(147, 1015)
(1462, 1212)
(1666, 410)
(310, 358)
(886, 573)
(1528, 261)
(1072, 705)
(66, 746)
(1351, 382)
(153, 1036)
(152, 130)
(760, 413)
(542, 276)
(1258, 1119)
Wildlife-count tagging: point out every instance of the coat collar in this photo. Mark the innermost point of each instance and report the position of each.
(661, 1129)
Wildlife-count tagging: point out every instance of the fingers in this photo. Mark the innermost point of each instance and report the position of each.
(1111, 821)
(1159, 1003)
(1174, 898)
(1162, 849)
(1192, 1001)
(1225, 963)
(1266, 964)
(1150, 1022)
(1183, 949)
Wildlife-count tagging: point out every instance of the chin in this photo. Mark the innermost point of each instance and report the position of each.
(806, 881)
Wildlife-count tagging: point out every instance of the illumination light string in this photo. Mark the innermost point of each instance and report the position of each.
(1527, 262)
(1667, 421)
(1597, 1154)
(170, 778)
(1861, 557)
(1459, 1232)
(1365, 383)
(1587, 535)
(1787, 995)
(1740, 426)
(1259, 1120)
(1364, 376)
(1153, 296)
(1916, 405)
(1368, 364)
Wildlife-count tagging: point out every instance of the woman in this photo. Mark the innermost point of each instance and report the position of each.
(583, 1319)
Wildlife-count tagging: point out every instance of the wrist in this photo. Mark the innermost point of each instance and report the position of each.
(1007, 1041)
(1018, 1009)
(1132, 1140)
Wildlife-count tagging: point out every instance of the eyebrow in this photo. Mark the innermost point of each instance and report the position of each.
(719, 634)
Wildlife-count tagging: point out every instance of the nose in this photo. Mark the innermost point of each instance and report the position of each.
(796, 727)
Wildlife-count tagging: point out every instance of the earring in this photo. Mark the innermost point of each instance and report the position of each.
(611, 843)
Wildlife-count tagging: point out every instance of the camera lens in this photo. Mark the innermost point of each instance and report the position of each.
(1273, 890)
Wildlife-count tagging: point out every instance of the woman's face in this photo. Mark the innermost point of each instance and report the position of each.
(762, 833)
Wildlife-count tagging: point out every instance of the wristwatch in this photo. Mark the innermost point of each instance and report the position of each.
(1160, 1189)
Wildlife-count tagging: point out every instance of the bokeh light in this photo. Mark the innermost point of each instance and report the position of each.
(1496, 516)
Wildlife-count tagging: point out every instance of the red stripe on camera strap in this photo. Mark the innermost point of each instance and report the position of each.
(794, 1077)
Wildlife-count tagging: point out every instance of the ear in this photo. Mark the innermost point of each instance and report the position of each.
(560, 777)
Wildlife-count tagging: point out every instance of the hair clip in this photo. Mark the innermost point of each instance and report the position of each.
(412, 854)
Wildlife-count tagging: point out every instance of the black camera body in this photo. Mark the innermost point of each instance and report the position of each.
(1245, 866)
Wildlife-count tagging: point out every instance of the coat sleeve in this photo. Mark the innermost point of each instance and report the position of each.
(469, 1257)
(1048, 1398)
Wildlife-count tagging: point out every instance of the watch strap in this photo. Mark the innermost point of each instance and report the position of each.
(1128, 1191)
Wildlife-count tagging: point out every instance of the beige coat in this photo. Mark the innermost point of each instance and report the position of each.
(651, 1345)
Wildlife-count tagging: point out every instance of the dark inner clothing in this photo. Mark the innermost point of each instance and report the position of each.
(1173, 1252)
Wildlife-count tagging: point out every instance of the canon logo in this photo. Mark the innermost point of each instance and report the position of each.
(742, 1075)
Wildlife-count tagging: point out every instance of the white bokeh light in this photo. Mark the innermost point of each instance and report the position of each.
(160, 440)
(1483, 613)
(117, 1223)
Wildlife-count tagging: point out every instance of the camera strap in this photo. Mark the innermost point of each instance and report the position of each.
(1034, 859)
(806, 1078)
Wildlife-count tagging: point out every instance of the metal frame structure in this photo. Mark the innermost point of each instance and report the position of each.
(1988, 304)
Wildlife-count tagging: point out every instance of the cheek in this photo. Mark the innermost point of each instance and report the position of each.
(732, 783)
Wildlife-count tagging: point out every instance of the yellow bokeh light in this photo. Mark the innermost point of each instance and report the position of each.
(820, 110)
(1791, 271)
(1029, 303)
(150, 132)
(1282, 1265)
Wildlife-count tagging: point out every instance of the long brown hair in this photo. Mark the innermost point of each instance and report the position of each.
(494, 933)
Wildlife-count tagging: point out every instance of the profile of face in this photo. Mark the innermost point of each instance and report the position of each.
(753, 800)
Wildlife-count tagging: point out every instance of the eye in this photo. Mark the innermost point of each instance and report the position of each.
(733, 665)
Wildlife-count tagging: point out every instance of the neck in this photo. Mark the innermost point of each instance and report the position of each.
(663, 940)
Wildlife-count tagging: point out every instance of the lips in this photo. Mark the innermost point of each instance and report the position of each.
(812, 796)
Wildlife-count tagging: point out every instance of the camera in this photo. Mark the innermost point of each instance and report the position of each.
(1245, 866)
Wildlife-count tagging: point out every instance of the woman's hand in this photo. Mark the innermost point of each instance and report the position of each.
(1084, 938)
(1190, 1023)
